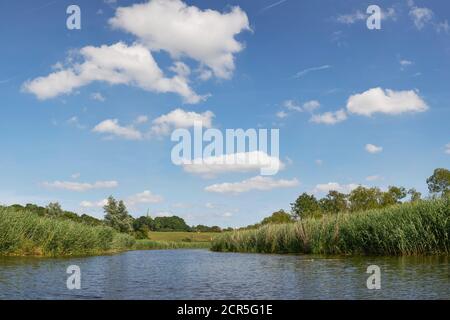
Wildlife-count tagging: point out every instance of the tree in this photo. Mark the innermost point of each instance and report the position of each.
(277, 217)
(116, 216)
(363, 198)
(173, 223)
(415, 195)
(334, 202)
(439, 182)
(54, 209)
(305, 206)
(392, 196)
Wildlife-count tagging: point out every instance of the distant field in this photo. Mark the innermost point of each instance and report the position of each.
(182, 236)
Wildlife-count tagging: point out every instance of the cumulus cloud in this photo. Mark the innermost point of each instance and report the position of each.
(371, 148)
(207, 36)
(115, 64)
(112, 127)
(180, 118)
(144, 197)
(377, 100)
(329, 117)
(334, 186)
(80, 186)
(256, 183)
(235, 162)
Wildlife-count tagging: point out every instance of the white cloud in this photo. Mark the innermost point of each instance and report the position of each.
(373, 178)
(227, 214)
(443, 27)
(235, 162)
(256, 183)
(329, 117)
(292, 105)
(111, 126)
(358, 15)
(385, 101)
(180, 118)
(405, 63)
(98, 97)
(310, 106)
(447, 148)
(141, 119)
(203, 35)
(80, 186)
(142, 198)
(96, 204)
(115, 64)
(308, 70)
(371, 148)
(319, 162)
(281, 114)
(421, 16)
(334, 186)
(351, 17)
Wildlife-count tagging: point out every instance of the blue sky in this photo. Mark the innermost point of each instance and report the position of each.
(353, 105)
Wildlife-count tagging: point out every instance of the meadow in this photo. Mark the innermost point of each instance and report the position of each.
(420, 228)
(182, 236)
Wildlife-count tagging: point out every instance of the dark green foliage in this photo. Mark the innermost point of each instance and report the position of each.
(277, 217)
(439, 182)
(305, 206)
(173, 223)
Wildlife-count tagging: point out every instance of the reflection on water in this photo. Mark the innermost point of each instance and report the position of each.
(201, 274)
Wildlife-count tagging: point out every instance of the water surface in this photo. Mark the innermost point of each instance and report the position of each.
(201, 274)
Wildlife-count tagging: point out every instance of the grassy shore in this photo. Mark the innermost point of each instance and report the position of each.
(180, 236)
(23, 232)
(407, 229)
(26, 233)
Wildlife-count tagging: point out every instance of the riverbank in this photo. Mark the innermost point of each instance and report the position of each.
(24, 233)
(421, 228)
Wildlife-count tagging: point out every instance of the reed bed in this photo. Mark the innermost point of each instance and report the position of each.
(26, 233)
(421, 228)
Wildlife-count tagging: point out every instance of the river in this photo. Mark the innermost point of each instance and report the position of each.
(202, 274)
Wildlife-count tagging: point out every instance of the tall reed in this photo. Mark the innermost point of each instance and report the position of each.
(406, 229)
(26, 233)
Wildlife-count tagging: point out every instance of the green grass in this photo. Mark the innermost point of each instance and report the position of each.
(26, 233)
(160, 245)
(176, 236)
(421, 228)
